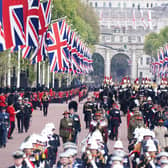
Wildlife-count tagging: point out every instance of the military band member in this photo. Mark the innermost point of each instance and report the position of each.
(19, 162)
(99, 123)
(93, 157)
(66, 129)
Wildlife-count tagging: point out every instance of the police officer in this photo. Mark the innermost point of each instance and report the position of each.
(4, 125)
(66, 129)
(73, 107)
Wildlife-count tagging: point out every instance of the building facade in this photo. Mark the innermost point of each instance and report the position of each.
(123, 27)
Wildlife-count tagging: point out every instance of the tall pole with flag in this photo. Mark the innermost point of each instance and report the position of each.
(53, 74)
(9, 70)
(48, 75)
(43, 72)
(18, 69)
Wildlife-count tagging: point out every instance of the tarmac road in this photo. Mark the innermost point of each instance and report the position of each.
(54, 115)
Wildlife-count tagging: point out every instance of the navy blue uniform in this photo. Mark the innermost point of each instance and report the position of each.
(4, 125)
(114, 122)
(76, 125)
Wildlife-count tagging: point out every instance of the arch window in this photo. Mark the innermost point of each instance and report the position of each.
(133, 5)
(151, 5)
(95, 4)
(119, 5)
(125, 5)
(110, 5)
(104, 4)
(147, 5)
(91, 4)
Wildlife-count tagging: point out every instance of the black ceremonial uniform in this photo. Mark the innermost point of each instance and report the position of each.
(76, 125)
(73, 107)
(27, 116)
(114, 122)
(52, 149)
(20, 116)
(87, 111)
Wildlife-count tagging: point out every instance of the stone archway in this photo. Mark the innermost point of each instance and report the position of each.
(98, 68)
(120, 66)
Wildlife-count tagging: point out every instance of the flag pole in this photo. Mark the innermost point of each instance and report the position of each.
(56, 20)
(39, 75)
(18, 70)
(48, 75)
(9, 73)
(53, 73)
(43, 70)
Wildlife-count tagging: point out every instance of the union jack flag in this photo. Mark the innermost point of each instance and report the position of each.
(74, 55)
(26, 51)
(57, 47)
(44, 21)
(14, 16)
(32, 23)
(2, 36)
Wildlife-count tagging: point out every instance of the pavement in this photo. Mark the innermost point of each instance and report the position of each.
(38, 122)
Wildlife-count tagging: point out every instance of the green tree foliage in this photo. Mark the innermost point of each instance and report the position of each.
(154, 41)
(81, 16)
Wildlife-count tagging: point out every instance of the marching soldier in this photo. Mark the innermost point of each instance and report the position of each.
(73, 107)
(11, 110)
(27, 114)
(87, 110)
(2, 100)
(93, 157)
(45, 102)
(19, 162)
(114, 122)
(135, 121)
(99, 123)
(4, 125)
(66, 129)
(20, 115)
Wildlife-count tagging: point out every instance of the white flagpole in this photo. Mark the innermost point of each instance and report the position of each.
(53, 74)
(48, 75)
(9, 72)
(39, 75)
(43, 80)
(18, 70)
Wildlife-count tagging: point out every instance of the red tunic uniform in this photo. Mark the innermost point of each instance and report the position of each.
(2, 101)
(10, 109)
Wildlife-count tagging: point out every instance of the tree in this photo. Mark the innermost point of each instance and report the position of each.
(81, 16)
(154, 41)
